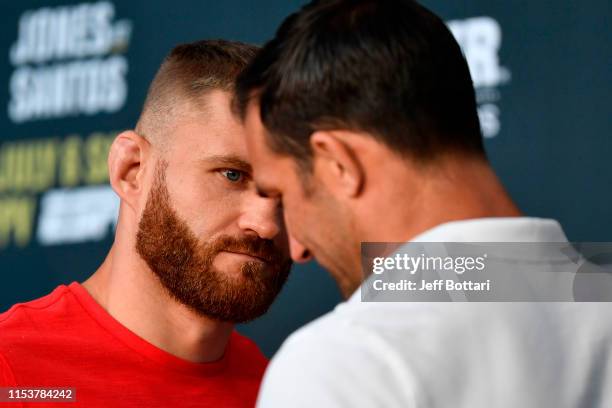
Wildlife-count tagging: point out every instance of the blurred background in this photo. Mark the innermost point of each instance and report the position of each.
(76, 73)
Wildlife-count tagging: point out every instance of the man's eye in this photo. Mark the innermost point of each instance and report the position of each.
(232, 175)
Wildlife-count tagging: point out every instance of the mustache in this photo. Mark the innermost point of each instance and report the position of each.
(250, 245)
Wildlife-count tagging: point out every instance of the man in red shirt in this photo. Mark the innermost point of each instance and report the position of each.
(196, 250)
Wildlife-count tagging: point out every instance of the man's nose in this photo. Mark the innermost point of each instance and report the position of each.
(299, 253)
(260, 218)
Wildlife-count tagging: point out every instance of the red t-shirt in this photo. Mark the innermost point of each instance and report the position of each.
(66, 339)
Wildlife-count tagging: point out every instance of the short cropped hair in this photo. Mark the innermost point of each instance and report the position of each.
(390, 68)
(189, 72)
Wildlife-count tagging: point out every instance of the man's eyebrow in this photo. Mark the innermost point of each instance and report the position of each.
(229, 160)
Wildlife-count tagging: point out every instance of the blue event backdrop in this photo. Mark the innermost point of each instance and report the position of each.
(76, 73)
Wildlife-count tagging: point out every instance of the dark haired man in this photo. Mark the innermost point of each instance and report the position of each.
(196, 250)
(361, 120)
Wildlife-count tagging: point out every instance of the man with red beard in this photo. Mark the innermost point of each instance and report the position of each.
(361, 120)
(196, 250)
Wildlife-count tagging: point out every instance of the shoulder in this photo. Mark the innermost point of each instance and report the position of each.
(392, 354)
(24, 324)
(7, 377)
(350, 335)
(392, 350)
(322, 362)
(22, 331)
(21, 314)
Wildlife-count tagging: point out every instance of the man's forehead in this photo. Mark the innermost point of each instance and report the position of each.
(202, 134)
(269, 168)
(256, 132)
(252, 118)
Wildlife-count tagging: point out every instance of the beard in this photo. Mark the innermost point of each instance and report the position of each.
(185, 267)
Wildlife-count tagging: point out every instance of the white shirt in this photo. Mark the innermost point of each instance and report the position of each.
(410, 354)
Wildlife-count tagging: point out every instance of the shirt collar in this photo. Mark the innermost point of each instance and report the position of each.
(495, 229)
(492, 229)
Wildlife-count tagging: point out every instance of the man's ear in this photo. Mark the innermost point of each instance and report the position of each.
(337, 162)
(125, 166)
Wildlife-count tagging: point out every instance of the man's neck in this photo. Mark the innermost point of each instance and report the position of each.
(126, 288)
(459, 190)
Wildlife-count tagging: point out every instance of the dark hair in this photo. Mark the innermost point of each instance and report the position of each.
(390, 68)
(191, 70)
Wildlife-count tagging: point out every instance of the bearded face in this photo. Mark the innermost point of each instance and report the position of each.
(184, 264)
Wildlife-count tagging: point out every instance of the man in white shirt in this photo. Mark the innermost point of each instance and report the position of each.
(361, 121)
(450, 354)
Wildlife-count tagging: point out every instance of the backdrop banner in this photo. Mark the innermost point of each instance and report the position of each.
(76, 73)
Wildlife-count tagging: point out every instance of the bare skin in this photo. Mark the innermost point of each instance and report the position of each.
(362, 191)
(197, 147)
